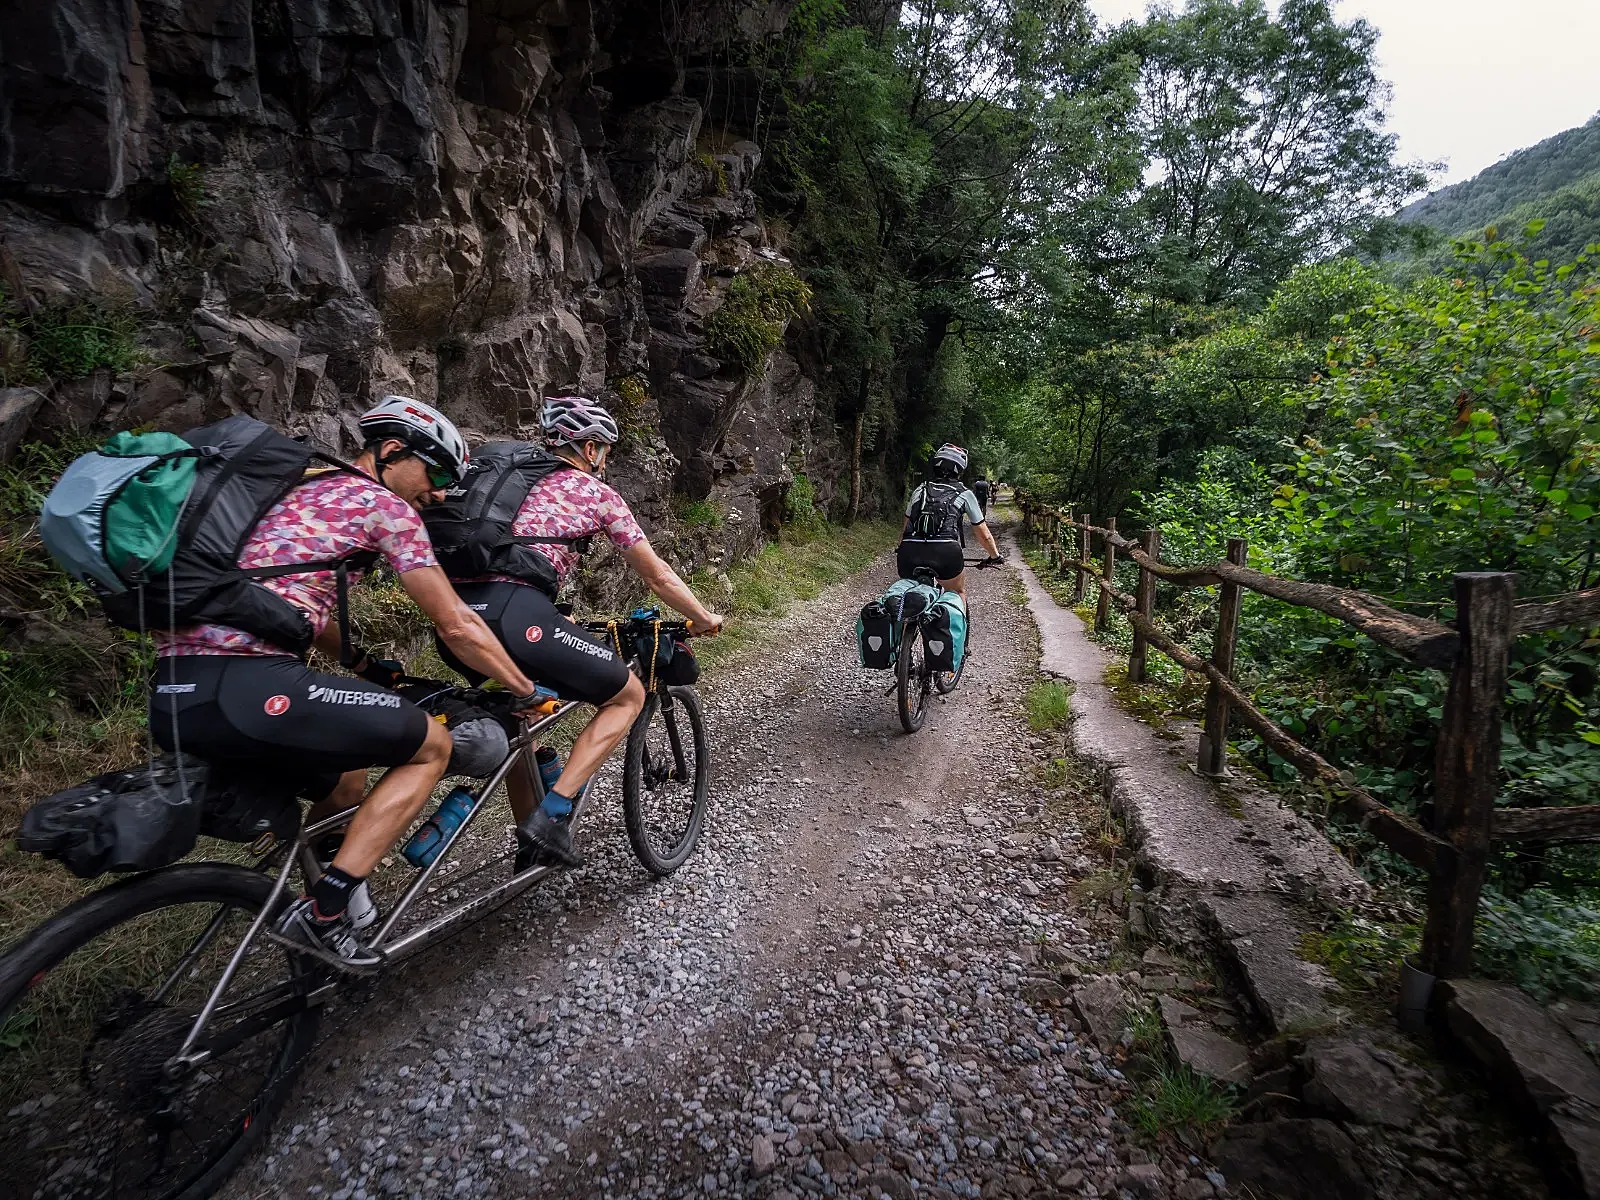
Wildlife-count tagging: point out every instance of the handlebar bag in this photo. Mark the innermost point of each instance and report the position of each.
(132, 820)
(676, 665)
(944, 633)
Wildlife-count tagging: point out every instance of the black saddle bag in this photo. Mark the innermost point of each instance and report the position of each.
(133, 820)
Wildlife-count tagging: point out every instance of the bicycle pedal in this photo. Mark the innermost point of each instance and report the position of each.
(327, 958)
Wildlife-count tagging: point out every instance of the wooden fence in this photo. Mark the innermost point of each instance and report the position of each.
(1475, 651)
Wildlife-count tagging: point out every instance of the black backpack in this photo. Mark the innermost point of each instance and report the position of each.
(471, 529)
(936, 516)
(243, 468)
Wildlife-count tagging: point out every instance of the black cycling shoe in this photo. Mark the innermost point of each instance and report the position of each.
(543, 838)
(334, 942)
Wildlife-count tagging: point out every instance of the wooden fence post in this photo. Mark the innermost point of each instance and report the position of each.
(1213, 761)
(1466, 764)
(1150, 543)
(1083, 556)
(1102, 609)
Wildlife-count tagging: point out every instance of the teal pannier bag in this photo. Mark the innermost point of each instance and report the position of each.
(944, 633)
(112, 519)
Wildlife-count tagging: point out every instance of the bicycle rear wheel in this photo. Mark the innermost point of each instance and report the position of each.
(912, 678)
(94, 1004)
(666, 779)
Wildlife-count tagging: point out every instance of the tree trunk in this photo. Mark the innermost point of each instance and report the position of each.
(855, 466)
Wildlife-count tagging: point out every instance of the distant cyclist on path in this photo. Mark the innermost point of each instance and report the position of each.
(561, 511)
(229, 697)
(933, 534)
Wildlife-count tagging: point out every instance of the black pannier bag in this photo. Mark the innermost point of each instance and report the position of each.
(132, 820)
(875, 637)
(479, 740)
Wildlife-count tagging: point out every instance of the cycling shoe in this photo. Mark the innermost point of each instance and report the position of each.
(543, 838)
(334, 942)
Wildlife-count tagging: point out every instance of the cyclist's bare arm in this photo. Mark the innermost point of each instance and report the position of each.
(462, 629)
(987, 538)
(664, 582)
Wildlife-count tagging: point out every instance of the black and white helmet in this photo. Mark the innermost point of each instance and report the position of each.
(426, 431)
(574, 419)
(950, 454)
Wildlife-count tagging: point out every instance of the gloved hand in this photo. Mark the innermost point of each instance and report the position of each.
(385, 672)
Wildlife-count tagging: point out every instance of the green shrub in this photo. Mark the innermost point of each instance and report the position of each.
(74, 340)
(700, 514)
(800, 501)
(188, 184)
(759, 303)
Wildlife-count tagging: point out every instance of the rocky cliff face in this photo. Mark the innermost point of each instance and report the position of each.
(306, 204)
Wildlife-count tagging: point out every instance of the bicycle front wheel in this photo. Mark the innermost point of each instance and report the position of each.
(95, 1005)
(912, 678)
(666, 779)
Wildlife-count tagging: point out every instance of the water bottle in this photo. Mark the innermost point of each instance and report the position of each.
(549, 766)
(426, 842)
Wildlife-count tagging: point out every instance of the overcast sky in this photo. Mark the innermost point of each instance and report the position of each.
(1473, 79)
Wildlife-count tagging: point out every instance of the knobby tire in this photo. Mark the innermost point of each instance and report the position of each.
(28, 963)
(682, 733)
(911, 691)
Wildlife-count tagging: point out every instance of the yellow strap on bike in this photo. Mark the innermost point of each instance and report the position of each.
(655, 655)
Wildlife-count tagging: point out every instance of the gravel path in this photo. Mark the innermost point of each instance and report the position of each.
(853, 988)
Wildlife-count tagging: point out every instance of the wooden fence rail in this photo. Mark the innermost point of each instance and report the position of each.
(1475, 651)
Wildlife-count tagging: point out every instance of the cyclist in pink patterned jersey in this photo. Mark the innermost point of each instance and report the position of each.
(570, 505)
(231, 698)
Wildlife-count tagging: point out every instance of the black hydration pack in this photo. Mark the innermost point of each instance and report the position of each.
(936, 515)
(471, 530)
(243, 468)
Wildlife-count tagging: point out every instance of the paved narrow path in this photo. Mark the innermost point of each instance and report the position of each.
(853, 988)
(1229, 857)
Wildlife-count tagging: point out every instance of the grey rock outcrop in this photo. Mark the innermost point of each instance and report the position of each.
(311, 203)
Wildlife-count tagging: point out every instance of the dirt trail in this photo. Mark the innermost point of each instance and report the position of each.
(853, 987)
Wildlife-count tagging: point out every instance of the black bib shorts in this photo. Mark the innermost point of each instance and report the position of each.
(279, 715)
(551, 650)
(943, 557)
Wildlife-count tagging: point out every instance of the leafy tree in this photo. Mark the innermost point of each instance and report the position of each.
(1266, 137)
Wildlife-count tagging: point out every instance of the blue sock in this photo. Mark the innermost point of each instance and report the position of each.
(557, 805)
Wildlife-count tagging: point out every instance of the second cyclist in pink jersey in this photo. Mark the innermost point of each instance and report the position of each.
(561, 511)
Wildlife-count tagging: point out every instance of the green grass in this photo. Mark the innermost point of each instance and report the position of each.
(796, 567)
(73, 340)
(700, 514)
(1174, 1099)
(1047, 704)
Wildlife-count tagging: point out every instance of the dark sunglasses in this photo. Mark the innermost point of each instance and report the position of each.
(440, 477)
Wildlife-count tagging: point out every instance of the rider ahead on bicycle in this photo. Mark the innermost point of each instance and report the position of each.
(933, 532)
(230, 697)
(567, 506)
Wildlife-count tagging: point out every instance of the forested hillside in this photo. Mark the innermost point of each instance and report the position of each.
(1570, 158)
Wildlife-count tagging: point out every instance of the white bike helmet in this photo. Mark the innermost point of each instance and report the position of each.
(426, 431)
(574, 419)
(949, 453)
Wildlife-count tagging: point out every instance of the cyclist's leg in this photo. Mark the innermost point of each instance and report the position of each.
(393, 804)
(958, 585)
(572, 662)
(276, 714)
